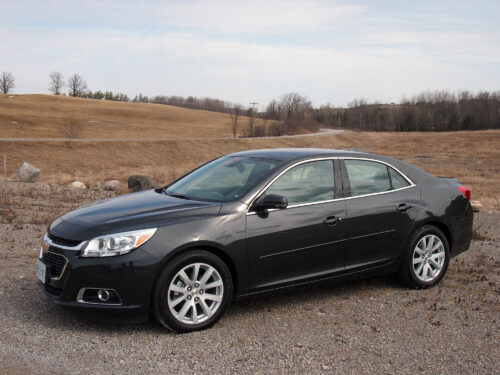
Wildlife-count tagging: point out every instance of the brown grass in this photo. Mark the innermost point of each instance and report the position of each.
(48, 116)
(472, 157)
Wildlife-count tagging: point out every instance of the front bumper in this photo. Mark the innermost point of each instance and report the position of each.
(131, 275)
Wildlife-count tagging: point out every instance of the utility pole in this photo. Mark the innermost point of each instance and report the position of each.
(5, 169)
(252, 117)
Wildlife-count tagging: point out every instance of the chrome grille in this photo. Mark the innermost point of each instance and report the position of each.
(63, 242)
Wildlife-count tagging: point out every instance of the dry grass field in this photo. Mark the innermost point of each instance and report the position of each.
(472, 157)
(48, 116)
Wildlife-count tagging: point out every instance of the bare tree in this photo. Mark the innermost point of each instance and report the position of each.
(294, 107)
(6, 82)
(76, 85)
(235, 113)
(56, 83)
(72, 131)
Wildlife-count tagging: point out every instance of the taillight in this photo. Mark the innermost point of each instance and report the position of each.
(465, 191)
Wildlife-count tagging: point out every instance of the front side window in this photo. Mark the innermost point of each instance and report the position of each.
(306, 183)
(367, 177)
(223, 180)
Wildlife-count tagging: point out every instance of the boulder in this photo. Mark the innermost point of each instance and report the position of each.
(77, 185)
(112, 185)
(140, 182)
(28, 172)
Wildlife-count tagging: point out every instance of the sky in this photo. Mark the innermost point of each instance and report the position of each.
(254, 51)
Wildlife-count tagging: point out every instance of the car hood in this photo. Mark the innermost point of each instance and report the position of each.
(135, 211)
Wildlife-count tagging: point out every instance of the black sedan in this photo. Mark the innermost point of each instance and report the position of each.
(253, 222)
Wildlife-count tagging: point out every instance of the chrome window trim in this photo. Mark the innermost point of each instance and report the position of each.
(255, 196)
(379, 193)
(47, 241)
(79, 297)
(298, 205)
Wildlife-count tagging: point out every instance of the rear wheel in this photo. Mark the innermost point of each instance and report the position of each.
(427, 258)
(192, 292)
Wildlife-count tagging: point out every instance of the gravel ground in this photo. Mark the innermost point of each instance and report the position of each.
(369, 326)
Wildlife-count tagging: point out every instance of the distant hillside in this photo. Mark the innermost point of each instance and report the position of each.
(48, 116)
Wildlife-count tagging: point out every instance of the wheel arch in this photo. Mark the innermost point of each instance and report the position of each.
(211, 248)
(225, 258)
(441, 226)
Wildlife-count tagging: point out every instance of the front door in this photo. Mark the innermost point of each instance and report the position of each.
(304, 240)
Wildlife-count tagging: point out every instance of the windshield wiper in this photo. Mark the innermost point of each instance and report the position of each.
(181, 196)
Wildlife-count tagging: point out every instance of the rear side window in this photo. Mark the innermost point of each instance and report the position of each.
(306, 183)
(367, 177)
(397, 180)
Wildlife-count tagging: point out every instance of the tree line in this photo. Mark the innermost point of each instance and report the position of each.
(427, 111)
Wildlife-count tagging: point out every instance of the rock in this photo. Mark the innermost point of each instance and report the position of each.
(112, 185)
(140, 182)
(476, 206)
(77, 185)
(28, 172)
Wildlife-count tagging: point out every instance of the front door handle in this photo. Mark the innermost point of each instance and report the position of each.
(403, 207)
(331, 220)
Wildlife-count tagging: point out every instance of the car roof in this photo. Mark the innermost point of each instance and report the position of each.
(288, 154)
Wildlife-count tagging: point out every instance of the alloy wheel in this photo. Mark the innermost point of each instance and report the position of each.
(428, 258)
(195, 293)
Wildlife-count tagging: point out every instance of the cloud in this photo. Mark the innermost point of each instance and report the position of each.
(234, 17)
(241, 51)
(458, 46)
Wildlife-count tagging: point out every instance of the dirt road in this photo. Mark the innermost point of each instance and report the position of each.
(321, 132)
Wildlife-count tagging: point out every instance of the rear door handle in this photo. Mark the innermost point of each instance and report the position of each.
(403, 207)
(332, 220)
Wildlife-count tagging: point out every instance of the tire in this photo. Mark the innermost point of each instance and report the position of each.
(426, 259)
(192, 292)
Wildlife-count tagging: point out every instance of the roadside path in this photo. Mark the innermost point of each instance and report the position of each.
(321, 132)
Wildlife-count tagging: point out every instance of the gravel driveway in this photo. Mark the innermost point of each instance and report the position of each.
(369, 326)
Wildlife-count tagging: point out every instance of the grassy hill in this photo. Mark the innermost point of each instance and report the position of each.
(48, 116)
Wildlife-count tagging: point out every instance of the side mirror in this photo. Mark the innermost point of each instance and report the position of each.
(271, 201)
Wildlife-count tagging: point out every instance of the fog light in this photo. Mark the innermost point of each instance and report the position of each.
(98, 296)
(103, 295)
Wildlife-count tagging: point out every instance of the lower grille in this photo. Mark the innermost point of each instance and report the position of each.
(55, 262)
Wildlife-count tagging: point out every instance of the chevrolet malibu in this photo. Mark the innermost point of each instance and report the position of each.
(253, 222)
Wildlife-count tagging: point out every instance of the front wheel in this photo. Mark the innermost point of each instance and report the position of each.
(192, 292)
(427, 258)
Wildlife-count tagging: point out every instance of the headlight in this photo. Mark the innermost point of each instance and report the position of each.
(117, 244)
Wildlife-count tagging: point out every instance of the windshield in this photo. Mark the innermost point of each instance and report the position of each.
(222, 180)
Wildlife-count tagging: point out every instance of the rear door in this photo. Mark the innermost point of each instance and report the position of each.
(304, 240)
(381, 206)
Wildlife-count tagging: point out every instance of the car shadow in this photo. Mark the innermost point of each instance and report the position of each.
(37, 309)
(314, 295)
